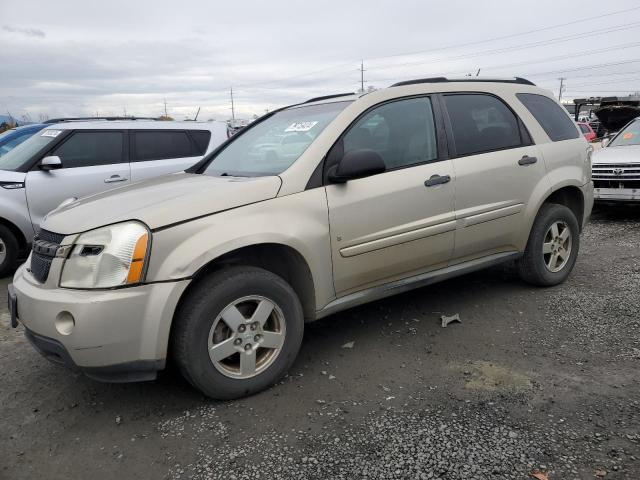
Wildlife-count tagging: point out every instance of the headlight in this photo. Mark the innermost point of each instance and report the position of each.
(108, 257)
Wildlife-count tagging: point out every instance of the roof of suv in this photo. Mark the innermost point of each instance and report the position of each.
(470, 81)
(134, 124)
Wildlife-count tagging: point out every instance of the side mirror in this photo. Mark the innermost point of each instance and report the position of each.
(357, 164)
(50, 163)
(606, 141)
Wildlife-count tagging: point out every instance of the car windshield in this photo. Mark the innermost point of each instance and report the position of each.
(273, 145)
(628, 136)
(17, 157)
(11, 139)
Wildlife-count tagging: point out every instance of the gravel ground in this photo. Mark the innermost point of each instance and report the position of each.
(532, 380)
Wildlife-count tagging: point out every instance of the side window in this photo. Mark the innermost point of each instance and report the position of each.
(402, 132)
(481, 123)
(201, 137)
(86, 149)
(584, 128)
(161, 145)
(553, 119)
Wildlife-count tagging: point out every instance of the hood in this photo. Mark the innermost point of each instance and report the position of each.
(161, 201)
(8, 176)
(625, 154)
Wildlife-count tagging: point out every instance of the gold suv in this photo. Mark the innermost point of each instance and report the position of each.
(312, 209)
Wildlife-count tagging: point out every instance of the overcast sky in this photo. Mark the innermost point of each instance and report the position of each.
(82, 57)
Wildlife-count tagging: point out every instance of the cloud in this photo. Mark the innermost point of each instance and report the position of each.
(29, 32)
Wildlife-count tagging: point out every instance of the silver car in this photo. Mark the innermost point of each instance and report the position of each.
(616, 167)
(81, 158)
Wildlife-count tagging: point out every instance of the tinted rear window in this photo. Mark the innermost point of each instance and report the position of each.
(552, 117)
(161, 145)
(201, 137)
(481, 123)
(88, 149)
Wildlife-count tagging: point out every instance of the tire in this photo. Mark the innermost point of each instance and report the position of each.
(538, 268)
(222, 309)
(9, 251)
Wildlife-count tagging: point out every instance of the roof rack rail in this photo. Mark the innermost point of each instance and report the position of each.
(327, 97)
(519, 80)
(88, 119)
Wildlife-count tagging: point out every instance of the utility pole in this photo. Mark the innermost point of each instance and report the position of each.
(362, 70)
(562, 79)
(233, 111)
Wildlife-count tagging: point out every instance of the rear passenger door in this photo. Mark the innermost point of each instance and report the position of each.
(160, 152)
(92, 161)
(497, 170)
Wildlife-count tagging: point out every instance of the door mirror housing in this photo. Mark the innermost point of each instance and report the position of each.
(606, 141)
(357, 164)
(50, 163)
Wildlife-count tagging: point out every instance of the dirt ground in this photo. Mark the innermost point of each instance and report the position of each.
(532, 380)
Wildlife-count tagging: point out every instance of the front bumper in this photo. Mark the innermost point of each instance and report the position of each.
(631, 195)
(113, 335)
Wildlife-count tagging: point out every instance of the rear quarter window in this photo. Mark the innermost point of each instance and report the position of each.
(553, 119)
(201, 137)
(161, 145)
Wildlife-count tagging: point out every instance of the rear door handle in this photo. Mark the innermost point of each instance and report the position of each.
(437, 180)
(527, 160)
(115, 179)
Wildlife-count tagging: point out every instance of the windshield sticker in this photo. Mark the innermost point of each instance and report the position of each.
(628, 136)
(300, 126)
(51, 133)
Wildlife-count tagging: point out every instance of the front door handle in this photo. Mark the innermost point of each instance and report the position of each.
(115, 179)
(527, 160)
(437, 180)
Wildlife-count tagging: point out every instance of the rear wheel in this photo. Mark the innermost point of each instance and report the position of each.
(552, 247)
(238, 332)
(8, 251)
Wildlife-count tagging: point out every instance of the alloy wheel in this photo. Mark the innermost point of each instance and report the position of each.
(247, 337)
(556, 248)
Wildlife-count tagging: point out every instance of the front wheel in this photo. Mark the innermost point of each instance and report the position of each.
(8, 251)
(552, 247)
(237, 332)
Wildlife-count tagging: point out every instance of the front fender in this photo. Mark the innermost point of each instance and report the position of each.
(298, 221)
(13, 209)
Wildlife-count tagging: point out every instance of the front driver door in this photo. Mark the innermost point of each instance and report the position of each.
(401, 222)
(92, 162)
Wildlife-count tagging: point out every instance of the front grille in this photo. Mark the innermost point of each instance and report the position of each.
(43, 252)
(622, 175)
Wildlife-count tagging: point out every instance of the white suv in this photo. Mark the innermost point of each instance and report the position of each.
(81, 158)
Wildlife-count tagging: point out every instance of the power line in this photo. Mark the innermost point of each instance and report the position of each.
(448, 47)
(545, 60)
(551, 41)
(513, 35)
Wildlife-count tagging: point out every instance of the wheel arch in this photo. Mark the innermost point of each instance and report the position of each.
(571, 197)
(280, 259)
(17, 233)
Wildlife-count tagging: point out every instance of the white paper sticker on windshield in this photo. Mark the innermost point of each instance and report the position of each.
(301, 126)
(51, 133)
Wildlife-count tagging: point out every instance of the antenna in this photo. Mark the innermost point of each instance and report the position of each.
(165, 108)
(197, 113)
(233, 111)
(362, 70)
